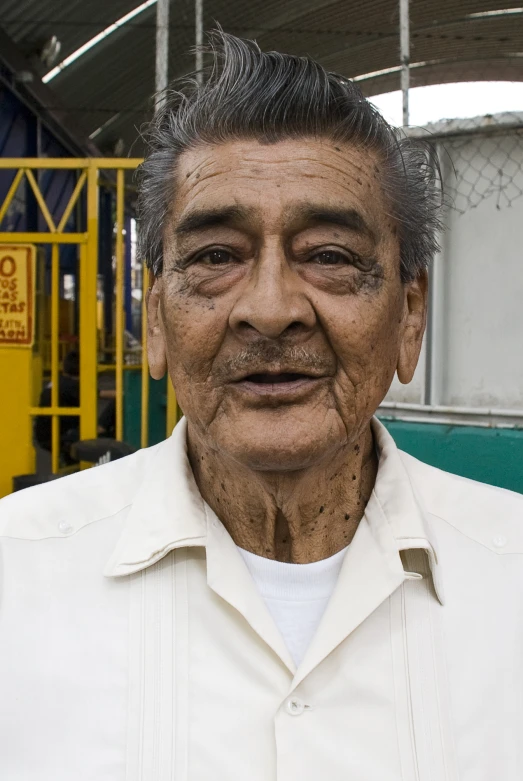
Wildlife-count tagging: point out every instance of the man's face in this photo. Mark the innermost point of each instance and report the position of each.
(280, 312)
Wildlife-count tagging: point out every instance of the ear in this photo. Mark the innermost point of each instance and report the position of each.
(156, 353)
(414, 322)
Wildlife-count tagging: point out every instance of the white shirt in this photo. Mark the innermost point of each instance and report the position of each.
(134, 645)
(295, 594)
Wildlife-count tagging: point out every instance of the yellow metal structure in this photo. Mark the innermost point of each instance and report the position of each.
(17, 295)
(17, 443)
(18, 383)
(119, 300)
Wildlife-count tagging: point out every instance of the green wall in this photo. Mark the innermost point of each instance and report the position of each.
(133, 408)
(490, 455)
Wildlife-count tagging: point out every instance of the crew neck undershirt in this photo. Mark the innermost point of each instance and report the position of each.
(296, 595)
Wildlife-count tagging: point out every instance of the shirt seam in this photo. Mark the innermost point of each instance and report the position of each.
(305, 601)
(500, 552)
(62, 536)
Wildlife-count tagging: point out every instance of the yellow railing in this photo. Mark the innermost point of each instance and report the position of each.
(46, 352)
(88, 182)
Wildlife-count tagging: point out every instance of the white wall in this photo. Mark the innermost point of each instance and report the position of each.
(479, 318)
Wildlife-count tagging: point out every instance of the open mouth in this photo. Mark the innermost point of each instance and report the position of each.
(274, 379)
(277, 385)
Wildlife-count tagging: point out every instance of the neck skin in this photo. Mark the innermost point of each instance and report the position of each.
(297, 517)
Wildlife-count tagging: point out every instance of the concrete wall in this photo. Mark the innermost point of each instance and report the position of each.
(473, 352)
(478, 279)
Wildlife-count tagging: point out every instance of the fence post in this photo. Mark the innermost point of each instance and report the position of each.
(88, 327)
(405, 58)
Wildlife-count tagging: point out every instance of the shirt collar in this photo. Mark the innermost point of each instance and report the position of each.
(395, 497)
(169, 512)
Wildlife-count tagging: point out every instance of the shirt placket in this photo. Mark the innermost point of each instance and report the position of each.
(158, 672)
(423, 702)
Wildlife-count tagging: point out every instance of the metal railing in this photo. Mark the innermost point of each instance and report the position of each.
(55, 234)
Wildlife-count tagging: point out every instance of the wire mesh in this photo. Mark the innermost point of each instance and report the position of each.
(482, 159)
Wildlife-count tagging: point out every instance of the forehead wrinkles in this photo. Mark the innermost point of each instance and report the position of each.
(341, 171)
(246, 159)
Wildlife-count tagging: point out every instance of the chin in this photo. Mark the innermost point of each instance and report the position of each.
(278, 451)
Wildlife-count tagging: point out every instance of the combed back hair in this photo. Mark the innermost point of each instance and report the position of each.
(249, 94)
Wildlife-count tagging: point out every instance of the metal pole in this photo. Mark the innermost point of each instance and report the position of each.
(162, 50)
(88, 319)
(119, 308)
(144, 420)
(55, 358)
(405, 58)
(198, 35)
(436, 374)
(172, 408)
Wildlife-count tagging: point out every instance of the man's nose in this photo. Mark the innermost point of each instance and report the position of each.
(273, 303)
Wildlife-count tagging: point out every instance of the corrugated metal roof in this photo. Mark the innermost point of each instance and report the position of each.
(111, 85)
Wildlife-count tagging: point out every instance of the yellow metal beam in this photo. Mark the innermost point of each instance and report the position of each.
(55, 396)
(72, 201)
(172, 408)
(120, 184)
(54, 411)
(42, 238)
(88, 293)
(41, 201)
(68, 163)
(127, 163)
(11, 193)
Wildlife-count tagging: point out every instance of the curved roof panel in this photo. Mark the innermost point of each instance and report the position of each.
(107, 91)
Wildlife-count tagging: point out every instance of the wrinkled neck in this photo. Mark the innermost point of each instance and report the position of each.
(301, 516)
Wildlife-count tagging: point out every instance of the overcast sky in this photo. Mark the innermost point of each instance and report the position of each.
(449, 101)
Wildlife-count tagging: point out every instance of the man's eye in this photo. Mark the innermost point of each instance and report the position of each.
(330, 257)
(215, 257)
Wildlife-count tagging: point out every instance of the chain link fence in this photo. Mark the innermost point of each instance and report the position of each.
(481, 159)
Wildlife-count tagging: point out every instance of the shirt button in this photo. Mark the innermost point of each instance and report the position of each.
(499, 541)
(294, 706)
(65, 527)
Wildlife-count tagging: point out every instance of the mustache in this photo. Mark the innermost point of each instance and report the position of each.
(260, 355)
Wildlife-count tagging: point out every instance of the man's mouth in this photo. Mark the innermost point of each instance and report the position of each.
(267, 378)
(277, 385)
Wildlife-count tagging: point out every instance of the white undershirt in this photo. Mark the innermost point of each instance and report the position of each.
(295, 594)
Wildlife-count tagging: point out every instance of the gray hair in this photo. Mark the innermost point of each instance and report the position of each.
(247, 93)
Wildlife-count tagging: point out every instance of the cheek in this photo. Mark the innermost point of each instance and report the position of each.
(194, 331)
(365, 334)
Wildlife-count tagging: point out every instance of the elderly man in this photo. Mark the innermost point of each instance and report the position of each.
(275, 592)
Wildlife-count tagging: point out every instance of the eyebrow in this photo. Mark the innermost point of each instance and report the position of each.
(199, 219)
(345, 218)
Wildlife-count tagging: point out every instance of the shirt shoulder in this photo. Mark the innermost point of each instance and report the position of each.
(491, 516)
(90, 495)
